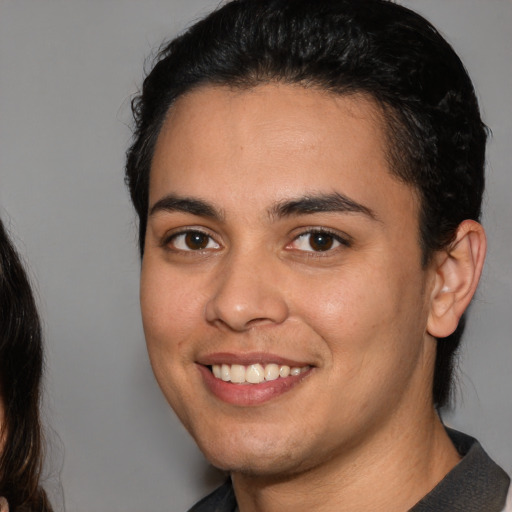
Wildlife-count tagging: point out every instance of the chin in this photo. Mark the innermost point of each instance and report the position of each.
(255, 464)
(246, 453)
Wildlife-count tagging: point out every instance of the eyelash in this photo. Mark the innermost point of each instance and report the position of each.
(333, 236)
(167, 242)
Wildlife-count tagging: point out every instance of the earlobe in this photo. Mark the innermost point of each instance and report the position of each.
(457, 272)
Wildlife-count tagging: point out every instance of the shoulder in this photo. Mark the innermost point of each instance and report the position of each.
(477, 483)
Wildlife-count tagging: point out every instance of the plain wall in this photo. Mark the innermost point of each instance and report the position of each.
(68, 69)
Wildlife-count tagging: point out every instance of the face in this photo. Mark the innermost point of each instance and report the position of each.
(283, 298)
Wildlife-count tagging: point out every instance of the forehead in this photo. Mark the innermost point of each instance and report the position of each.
(272, 141)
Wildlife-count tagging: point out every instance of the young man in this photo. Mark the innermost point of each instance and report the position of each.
(308, 178)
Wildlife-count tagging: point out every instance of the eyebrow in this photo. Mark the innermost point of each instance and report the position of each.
(305, 205)
(320, 203)
(173, 203)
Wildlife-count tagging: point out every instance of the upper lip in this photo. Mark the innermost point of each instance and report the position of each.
(249, 358)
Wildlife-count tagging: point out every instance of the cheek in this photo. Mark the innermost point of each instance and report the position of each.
(369, 314)
(167, 301)
(169, 315)
(345, 302)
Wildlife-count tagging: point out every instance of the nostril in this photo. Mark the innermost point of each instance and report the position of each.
(258, 321)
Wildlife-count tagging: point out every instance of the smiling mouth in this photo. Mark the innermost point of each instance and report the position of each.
(255, 373)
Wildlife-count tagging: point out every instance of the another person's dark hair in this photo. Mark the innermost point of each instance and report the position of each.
(371, 47)
(21, 361)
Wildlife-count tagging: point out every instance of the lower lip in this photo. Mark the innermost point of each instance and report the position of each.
(249, 394)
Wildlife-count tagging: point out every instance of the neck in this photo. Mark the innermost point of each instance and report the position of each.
(391, 472)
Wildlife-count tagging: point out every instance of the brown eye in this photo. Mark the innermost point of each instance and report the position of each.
(318, 241)
(196, 240)
(321, 241)
(192, 241)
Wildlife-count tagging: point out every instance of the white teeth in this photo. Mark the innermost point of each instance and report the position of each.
(271, 372)
(255, 373)
(225, 372)
(284, 371)
(237, 373)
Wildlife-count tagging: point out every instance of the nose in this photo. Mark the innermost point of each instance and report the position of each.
(247, 294)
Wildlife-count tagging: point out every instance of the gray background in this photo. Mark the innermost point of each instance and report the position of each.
(68, 69)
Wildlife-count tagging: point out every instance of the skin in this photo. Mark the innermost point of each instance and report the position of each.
(360, 428)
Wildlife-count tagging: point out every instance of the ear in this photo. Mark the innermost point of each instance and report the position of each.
(457, 272)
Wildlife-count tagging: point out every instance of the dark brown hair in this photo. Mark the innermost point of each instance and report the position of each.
(21, 362)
